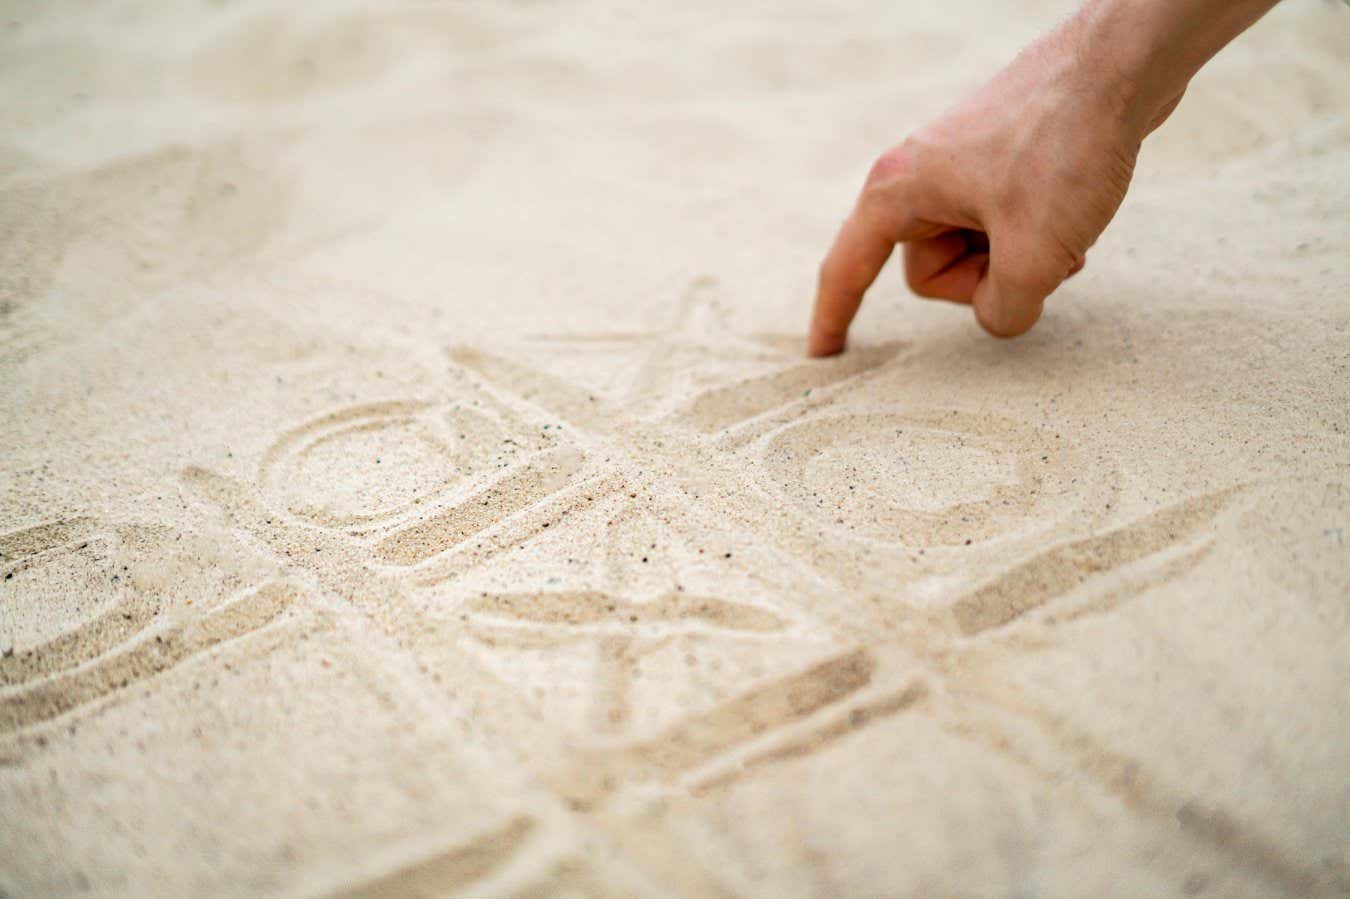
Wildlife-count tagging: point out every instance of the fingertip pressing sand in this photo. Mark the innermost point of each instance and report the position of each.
(411, 482)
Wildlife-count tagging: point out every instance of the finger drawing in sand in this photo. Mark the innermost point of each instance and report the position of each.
(999, 200)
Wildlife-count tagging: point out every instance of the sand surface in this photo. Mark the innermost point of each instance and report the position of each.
(411, 483)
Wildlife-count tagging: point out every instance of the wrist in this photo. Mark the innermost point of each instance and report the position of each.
(1147, 51)
(1132, 52)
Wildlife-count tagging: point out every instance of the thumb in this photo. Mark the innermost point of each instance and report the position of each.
(1021, 274)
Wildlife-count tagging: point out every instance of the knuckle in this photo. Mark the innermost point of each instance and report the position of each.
(895, 166)
(1033, 279)
(1035, 270)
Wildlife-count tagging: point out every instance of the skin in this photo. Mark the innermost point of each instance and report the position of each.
(998, 201)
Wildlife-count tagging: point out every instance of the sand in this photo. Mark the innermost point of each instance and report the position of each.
(411, 481)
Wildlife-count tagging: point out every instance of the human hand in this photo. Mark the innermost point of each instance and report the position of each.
(999, 200)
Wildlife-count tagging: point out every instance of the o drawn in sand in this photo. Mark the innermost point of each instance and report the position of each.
(418, 477)
(366, 464)
(924, 478)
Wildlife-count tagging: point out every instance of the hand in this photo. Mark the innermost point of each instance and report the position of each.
(999, 200)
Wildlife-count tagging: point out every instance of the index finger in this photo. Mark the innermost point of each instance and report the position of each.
(853, 263)
(883, 217)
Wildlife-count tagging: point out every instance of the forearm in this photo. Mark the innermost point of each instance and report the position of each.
(1155, 47)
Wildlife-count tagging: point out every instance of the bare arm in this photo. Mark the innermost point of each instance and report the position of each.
(999, 200)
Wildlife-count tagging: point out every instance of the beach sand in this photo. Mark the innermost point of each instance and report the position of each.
(411, 481)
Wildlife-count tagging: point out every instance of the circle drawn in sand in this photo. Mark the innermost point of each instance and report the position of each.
(365, 464)
(923, 479)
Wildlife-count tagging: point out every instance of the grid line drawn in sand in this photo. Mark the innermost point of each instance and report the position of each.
(147, 625)
(415, 552)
